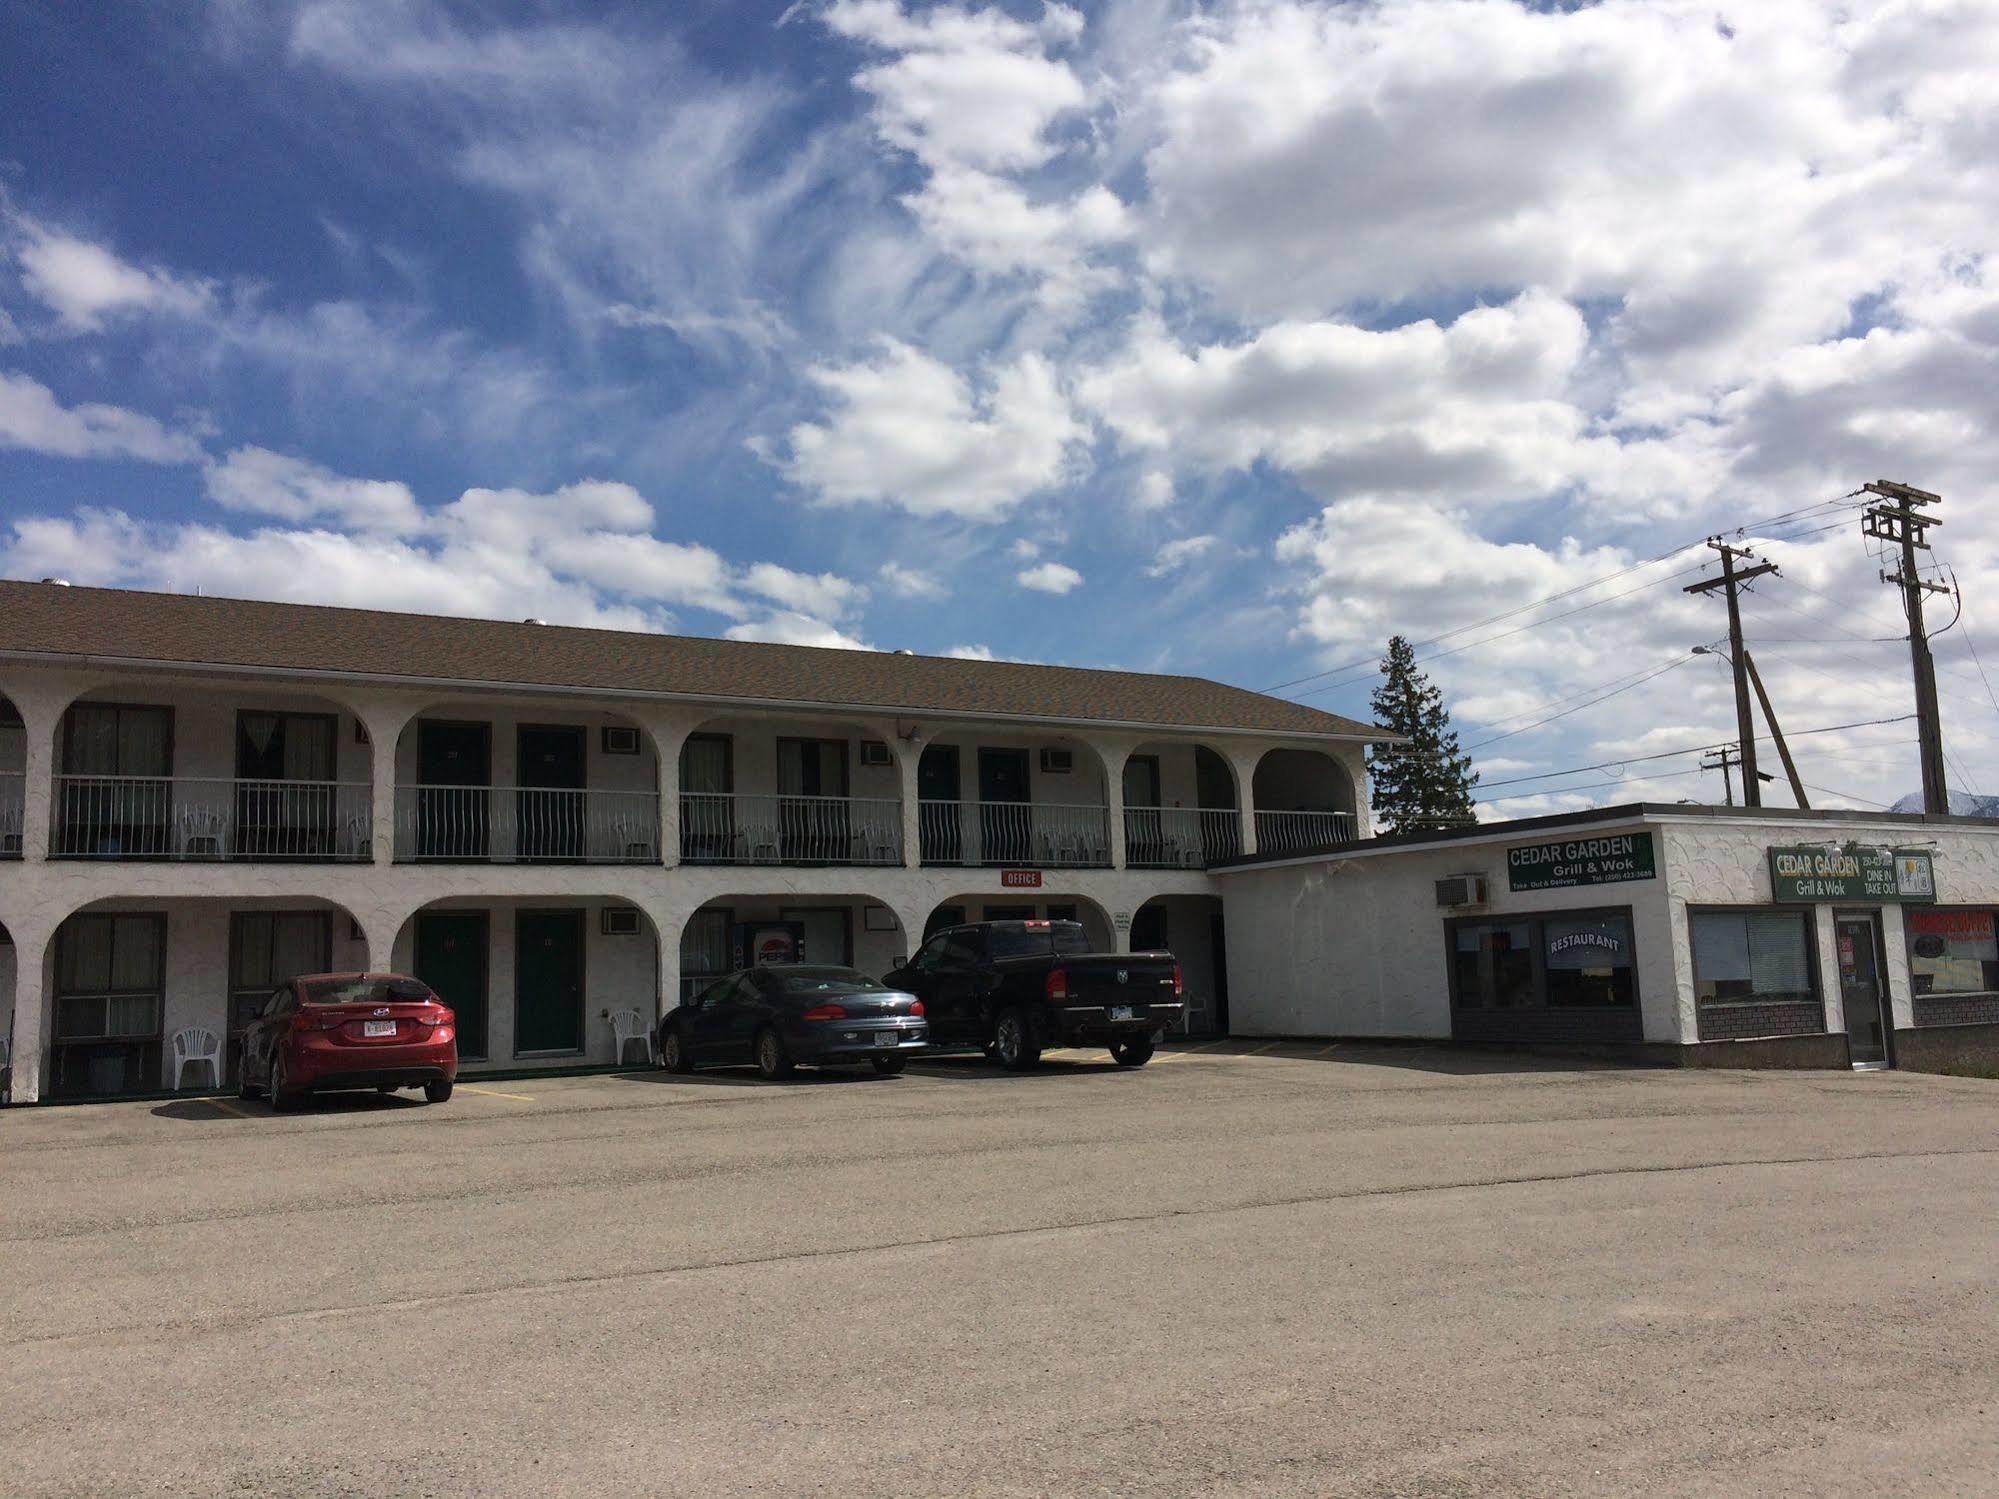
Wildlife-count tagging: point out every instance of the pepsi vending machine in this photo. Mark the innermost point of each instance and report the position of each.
(760, 943)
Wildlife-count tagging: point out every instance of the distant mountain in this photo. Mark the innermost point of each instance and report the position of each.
(1962, 804)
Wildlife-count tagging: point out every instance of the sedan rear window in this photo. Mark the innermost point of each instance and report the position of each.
(824, 980)
(1037, 940)
(363, 991)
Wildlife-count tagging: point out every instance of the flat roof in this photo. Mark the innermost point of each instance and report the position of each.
(54, 622)
(1487, 832)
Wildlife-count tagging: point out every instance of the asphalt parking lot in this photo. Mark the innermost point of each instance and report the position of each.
(1249, 1269)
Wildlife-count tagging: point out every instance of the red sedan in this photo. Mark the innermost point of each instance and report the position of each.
(330, 1031)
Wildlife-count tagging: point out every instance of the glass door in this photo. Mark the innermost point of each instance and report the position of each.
(1857, 939)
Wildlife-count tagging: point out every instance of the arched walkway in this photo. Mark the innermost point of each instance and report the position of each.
(1190, 927)
(994, 798)
(1304, 800)
(1031, 905)
(533, 979)
(772, 791)
(1180, 807)
(733, 932)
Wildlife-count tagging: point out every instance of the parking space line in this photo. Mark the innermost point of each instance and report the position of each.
(494, 1093)
(1259, 1051)
(227, 1107)
(1324, 1049)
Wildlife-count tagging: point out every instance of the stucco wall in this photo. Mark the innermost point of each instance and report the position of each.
(204, 725)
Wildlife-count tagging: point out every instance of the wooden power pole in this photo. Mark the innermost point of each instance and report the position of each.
(1724, 759)
(1901, 524)
(1731, 580)
(1776, 731)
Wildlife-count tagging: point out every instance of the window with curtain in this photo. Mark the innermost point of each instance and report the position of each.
(1751, 957)
(285, 746)
(1952, 952)
(117, 739)
(265, 949)
(704, 765)
(704, 944)
(110, 973)
(812, 767)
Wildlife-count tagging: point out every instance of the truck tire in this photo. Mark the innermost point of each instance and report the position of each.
(1135, 1053)
(1014, 1045)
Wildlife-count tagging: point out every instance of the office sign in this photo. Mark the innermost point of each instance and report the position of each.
(1020, 879)
(1813, 872)
(1607, 860)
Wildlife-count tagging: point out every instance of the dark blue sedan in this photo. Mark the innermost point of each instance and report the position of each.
(778, 1016)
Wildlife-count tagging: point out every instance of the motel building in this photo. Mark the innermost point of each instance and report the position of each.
(556, 828)
(202, 797)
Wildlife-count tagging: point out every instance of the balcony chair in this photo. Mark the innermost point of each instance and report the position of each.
(10, 832)
(203, 833)
(628, 1026)
(632, 837)
(876, 844)
(198, 1045)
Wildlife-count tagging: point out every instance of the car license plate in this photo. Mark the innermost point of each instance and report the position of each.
(886, 1038)
(378, 1027)
(1120, 1012)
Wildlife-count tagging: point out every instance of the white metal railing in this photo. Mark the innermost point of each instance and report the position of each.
(187, 817)
(764, 828)
(1050, 835)
(526, 824)
(13, 807)
(1302, 832)
(1180, 837)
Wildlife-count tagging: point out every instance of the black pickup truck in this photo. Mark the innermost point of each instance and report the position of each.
(1015, 987)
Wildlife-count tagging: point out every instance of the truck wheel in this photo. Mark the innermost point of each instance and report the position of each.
(1132, 1053)
(773, 1061)
(1014, 1046)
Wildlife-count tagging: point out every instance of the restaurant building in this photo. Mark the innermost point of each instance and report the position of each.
(1700, 936)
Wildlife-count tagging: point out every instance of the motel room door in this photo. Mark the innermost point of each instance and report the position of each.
(451, 958)
(548, 982)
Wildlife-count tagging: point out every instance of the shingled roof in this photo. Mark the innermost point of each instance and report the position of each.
(43, 620)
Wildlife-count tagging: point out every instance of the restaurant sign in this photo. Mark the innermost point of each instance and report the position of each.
(1815, 872)
(1607, 860)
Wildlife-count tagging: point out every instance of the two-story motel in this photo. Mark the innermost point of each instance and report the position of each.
(200, 797)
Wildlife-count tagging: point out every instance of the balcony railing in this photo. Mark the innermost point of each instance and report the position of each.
(1180, 837)
(182, 817)
(526, 825)
(760, 828)
(13, 804)
(1302, 832)
(1038, 834)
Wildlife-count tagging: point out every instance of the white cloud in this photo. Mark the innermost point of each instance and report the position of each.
(786, 627)
(260, 482)
(1050, 577)
(1176, 554)
(907, 430)
(84, 283)
(972, 653)
(822, 595)
(910, 583)
(32, 418)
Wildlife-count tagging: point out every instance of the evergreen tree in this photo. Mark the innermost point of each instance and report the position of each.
(1426, 783)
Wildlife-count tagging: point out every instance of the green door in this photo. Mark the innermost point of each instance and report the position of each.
(548, 982)
(451, 958)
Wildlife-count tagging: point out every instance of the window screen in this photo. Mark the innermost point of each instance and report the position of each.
(1760, 957)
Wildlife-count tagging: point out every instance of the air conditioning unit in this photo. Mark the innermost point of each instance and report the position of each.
(1057, 762)
(620, 739)
(875, 752)
(620, 921)
(1461, 890)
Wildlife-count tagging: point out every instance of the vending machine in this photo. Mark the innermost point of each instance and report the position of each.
(760, 943)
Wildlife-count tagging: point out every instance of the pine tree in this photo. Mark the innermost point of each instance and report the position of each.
(1426, 783)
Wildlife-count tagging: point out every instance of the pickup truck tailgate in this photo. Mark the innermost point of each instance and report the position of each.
(1113, 980)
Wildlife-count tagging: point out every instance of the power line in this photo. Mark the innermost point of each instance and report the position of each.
(1692, 749)
(1639, 681)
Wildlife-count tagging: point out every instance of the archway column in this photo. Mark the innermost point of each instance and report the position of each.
(1114, 753)
(1244, 762)
(384, 716)
(41, 700)
(669, 728)
(908, 752)
(32, 942)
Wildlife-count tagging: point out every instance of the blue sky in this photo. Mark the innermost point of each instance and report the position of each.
(1225, 339)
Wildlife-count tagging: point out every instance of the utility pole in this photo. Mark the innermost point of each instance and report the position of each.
(1724, 759)
(1731, 579)
(1776, 731)
(1901, 524)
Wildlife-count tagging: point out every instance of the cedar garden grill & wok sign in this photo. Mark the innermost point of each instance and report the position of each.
(1814, 872)
(1608, 860)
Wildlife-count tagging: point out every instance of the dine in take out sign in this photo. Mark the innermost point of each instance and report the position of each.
(1816, 872)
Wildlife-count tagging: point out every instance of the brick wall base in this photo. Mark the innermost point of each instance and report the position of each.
(1554, 1025)
(1969, 1049)
(1743, 1022)
(1957, 1009)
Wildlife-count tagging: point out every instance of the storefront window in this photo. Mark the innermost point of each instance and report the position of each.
(1751, 957)
(1952, 952)
(1588, 960)
(1579, 959)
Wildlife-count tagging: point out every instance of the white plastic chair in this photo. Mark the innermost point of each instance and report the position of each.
(204, 833)
(628, 1026)
(202, 1047)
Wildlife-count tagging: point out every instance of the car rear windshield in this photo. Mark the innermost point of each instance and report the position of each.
(363, 991)
(1062, 938)
(821, 980)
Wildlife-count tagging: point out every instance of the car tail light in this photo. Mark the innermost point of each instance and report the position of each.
(441, 1033)
(1179, 985)
(1057, 986)
(305, 1020)
(916, 1009)
(826, 1012)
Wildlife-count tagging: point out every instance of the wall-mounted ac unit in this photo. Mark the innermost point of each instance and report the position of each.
(1461, 890)
(1057, 762)
(620, 921)
(620, 739)
(875, 752)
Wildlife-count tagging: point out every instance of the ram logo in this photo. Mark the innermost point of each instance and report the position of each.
(1124, 975)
